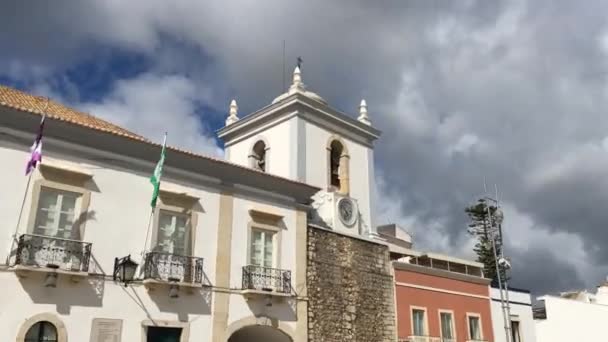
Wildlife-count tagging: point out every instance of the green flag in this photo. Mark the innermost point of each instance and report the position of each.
(158, 171)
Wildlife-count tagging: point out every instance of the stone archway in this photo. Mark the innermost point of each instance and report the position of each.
(263, 329)
(261, 333)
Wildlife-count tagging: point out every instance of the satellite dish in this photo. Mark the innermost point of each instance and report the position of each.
(504, 263)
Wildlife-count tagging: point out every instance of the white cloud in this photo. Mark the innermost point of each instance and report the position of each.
(153, 104)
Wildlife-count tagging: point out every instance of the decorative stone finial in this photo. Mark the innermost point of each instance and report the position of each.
(232, 115)
(297, 78)
(363, 113)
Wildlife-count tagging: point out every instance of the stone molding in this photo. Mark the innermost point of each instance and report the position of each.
(260, 320)
(62, 335)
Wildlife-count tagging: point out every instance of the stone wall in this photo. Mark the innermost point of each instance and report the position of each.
(350, 289)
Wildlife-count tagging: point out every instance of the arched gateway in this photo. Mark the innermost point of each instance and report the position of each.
(262, 333)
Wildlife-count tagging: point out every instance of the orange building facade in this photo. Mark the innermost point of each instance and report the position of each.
(442, 299)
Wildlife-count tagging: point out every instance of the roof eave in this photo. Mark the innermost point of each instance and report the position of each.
(80, 134)
(227, 132)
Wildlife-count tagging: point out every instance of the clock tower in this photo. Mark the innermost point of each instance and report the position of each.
(301, 137)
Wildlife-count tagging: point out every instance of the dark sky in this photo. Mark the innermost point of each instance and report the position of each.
(510, 92)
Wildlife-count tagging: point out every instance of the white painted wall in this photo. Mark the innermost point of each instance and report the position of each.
(121, 206)
(317, 139)
(521, 311)
(239, 307)
(571, 320)
(277, 136)
(298, 150)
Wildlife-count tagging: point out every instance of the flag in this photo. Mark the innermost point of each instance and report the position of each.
(36, 149)
(158, 171)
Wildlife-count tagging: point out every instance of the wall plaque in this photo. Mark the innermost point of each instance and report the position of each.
(106, 330)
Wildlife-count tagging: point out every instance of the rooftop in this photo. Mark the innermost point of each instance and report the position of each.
(16, 99)
(22, 102)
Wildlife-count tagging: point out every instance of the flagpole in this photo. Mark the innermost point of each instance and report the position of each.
(30, 170)
(15, 239)
(155, 180)
(147, 232)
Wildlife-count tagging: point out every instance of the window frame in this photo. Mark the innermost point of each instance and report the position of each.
(252, 156)
(46, 317)
(478, 316)
(81, 210)
(41, 329)
(518, 329)
(426, 319)
(343, 167)
(179, 209)
(451, 312)
(259, 223)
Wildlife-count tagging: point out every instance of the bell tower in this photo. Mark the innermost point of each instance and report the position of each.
(299, 136)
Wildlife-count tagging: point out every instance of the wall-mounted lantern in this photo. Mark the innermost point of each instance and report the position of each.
(124, 269)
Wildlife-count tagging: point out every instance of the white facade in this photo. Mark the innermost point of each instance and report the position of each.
(522, 321)
(234, 220)
(573, 317)
(297, 130)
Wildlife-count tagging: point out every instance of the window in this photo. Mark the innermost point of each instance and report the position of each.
(42, 332)
(515, 333)
(56, 212)
(262, 248)
(418, 322)
(474, 328)
(257, 158)
(173, 234)
(447, 325)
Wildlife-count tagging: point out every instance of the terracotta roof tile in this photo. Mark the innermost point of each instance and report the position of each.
(22, 101)
(14, 98)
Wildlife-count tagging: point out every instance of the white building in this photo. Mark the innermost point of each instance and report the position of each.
(573, 316)
(521, 321)
(223, 255)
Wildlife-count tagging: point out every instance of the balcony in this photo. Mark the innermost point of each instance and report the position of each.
(51, 254)
(259, 280)
(164, 268)
(415, 338)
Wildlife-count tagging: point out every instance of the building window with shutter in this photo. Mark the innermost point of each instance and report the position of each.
(262, 248)
(474, 323)
(447, 326)
(56, 213)
(173, 233)
(419, 327)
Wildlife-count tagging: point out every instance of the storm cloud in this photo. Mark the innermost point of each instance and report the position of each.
(466, 93)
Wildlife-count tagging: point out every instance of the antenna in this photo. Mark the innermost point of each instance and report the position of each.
(498, 258)
(283, 89)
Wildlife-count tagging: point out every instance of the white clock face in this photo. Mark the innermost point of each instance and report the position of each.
(347, 211)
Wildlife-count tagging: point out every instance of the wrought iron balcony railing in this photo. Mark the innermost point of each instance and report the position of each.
(46, 251)
(418, 338)
(172, 267)
(266, 279)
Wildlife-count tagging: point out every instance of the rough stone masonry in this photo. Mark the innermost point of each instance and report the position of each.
(350, 289)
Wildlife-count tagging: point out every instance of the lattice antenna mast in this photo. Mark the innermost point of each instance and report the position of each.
(500, 261)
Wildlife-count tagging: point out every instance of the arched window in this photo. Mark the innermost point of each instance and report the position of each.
(338, 167)
(334, 162)
(42, 331)
(257, 158)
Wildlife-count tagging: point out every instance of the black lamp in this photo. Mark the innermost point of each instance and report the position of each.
(124, 269)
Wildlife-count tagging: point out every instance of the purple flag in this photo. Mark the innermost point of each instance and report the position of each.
(36, 150)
